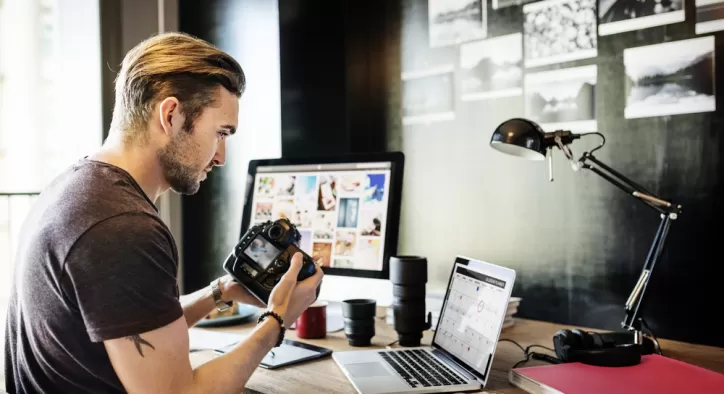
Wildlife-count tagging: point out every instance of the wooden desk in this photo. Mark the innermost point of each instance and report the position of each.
(324, 376)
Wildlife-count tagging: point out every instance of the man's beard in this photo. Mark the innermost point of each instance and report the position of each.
(182, 178)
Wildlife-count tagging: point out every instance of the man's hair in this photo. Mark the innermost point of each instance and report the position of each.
(171, 64)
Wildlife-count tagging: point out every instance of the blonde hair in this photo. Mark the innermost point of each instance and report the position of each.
(171, 64)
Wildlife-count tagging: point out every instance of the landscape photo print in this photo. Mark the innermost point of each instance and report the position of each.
(498, 4)
(617, 16)
(492, 68)
(562, 99)
(452, 22)
(709, 16)
(670, 78)
(428, 96)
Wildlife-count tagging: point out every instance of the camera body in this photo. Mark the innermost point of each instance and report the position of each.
(263, 255)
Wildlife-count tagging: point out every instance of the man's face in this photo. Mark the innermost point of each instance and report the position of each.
(190, 155)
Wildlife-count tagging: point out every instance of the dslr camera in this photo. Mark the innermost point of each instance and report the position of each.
(264, 254)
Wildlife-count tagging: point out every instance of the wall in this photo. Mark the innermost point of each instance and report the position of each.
(577, 243)
(49, 61)
(335, 83)
(248, 30)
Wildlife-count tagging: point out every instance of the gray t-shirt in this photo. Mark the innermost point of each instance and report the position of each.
(94, 262)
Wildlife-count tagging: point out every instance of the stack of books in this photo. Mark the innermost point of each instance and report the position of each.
(513, 304)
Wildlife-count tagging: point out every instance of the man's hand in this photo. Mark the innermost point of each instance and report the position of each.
(290, 298)
(231, 290)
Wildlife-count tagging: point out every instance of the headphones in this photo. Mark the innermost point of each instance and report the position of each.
(615, 349)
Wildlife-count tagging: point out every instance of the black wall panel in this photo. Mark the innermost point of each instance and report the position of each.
(580, 253)
(577, 243)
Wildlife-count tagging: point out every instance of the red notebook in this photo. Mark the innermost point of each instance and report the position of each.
(655, 374)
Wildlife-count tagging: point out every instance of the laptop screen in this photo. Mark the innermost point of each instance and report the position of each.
(473, 314)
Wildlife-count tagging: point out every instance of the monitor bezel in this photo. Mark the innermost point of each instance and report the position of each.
(397, 161)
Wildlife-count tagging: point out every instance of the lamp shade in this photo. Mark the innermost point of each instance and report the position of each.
(521, 138)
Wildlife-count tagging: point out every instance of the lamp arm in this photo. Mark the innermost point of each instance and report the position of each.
(626, 184)
(668, 212)
(633, 304)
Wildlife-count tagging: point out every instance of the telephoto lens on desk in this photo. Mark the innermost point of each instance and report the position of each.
(408, 275)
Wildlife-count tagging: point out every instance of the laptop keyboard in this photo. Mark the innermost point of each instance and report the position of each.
(418, 368)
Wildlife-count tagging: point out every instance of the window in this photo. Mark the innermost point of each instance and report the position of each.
(50, 106)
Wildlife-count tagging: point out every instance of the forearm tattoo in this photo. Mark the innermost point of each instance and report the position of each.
(138, 341)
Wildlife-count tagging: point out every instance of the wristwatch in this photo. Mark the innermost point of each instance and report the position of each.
(216, 291)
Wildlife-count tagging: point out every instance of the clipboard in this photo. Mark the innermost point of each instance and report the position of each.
(289, 353)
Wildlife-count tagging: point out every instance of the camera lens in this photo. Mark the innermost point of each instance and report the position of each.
(276, 231)
(408, 275)
(359, 321)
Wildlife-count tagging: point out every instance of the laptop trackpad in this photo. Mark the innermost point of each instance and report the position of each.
(367, 370)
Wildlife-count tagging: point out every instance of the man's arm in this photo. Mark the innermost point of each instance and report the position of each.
(158, 361)
(200, 303)
(197, 305)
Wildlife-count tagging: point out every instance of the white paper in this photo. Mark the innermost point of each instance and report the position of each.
(201, 339)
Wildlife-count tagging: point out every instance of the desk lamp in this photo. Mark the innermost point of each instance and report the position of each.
(524, 138)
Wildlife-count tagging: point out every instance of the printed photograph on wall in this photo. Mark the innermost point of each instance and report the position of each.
(559, 31)
(287, 185)
(498, 4)
(284, 209)
(345, 243)
(492, 68)
(428, 96)
(617, 16)
(670, 78)
(562, 99)
(348, 212)
(327, 196)
(306, 189)
(266, 187)
(709, 16)
(343, 263)
(416, 53)
(452, 22)
(263, 211)
(322, 251)
(324, 225)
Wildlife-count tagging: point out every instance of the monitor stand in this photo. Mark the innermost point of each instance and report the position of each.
(336, 289)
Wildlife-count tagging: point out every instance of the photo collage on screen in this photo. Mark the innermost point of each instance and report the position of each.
(341, 215)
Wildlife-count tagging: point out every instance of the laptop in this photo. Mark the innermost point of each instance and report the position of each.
(466, 336)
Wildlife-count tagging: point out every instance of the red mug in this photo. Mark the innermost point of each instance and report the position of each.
(312, 324)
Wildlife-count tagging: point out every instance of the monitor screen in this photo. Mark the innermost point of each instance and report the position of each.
(342, 210)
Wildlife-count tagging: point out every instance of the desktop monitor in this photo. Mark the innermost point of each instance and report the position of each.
(347, 209)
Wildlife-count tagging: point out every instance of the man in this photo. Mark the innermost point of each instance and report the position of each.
(95, 304)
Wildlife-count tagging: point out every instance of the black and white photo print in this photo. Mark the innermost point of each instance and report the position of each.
(452, 22)
(709, 16)
(559, 31)
(428, 96)
(671, 78)
(562, 99)
(617, 16)
(498, 4)
(492, 68)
